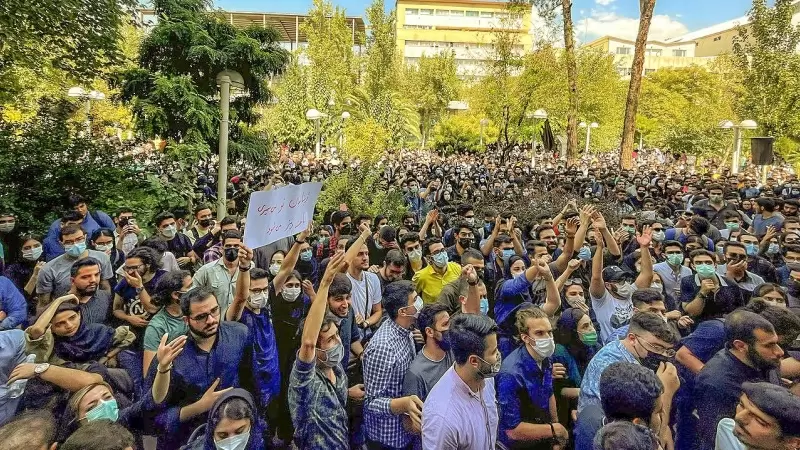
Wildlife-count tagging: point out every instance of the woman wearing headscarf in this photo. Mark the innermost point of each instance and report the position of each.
(233, 424)
(576, 344)
(25, 271)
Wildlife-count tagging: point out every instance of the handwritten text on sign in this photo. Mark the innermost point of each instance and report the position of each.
(279, 213)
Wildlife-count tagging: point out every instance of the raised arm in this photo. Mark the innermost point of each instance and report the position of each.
(36, 330)
(597, 287)
(601, 226)
(487, 246)
(572, 266)
(645, 277)
(290, 260)
(68, 379)
(519, 249)
(316, 314)
(553, 299)
(242, 290)
(430, 219)
(571, 228)
(167, 352)
(586, 219)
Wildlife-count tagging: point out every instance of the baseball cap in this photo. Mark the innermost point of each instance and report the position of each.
(612, 274)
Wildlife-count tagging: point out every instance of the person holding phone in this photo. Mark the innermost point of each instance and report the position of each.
(127, 232)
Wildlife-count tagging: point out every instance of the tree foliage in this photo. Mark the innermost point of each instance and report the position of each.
(462, 132)
(366, 140)
(362, 190)
(431, 84)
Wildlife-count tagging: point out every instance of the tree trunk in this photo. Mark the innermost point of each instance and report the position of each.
(572, 79)
(629, 129)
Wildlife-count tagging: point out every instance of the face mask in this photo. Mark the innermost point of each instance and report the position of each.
(544, 347)
(773, 249)
(720, 250)
(470, 221)
(517, 275)
(715, 198)
(274, 269)
(237, 442)
(486, 370)
(659, 236)
(103, 248)
(305, 255)
(205, 223)
(231, 254)
(291, 294)
(733, 226)
(507, 253)
(258, 300)
(444, 343)
(465, 242)
(675, 259)
(32, 254)
(752, 249)
(440, 260)
(415, 255)
(629, 229)
(585, 254)
(484, 306)
(75, 250)
(656, 286)
(333, 356)
(347, 229)
(589, 339)
(624, 289)
(6, 227)
(418, 304)
(653, 360)
(169, 232)
(105, 410)
(705, 270)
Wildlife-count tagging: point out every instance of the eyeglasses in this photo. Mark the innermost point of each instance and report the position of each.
(204, 317)
(75, 241)
(668, 352)
(132, 268)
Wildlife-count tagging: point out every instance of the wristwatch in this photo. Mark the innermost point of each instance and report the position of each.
(41, 368)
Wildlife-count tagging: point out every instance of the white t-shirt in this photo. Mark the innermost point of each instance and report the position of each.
(369, 286)
(611, 313)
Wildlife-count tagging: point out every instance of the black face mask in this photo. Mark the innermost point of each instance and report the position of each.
(653, 360)
(205, 223)
(480, 273)
(465, 243)
(231, 254)
(347, 229)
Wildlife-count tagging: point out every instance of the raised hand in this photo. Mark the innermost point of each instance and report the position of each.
(211, 395)
(245, 256)
(307, 232)
(571, 225)
(167, 353)
(337, 264)
(645, 237)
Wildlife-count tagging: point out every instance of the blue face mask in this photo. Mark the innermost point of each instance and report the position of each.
(585, 254)
(76, 249)
(484, 306)
(105, 410)
(440, 260)
(508, 253)
(773, 249)
(305, 255)
(752, 249)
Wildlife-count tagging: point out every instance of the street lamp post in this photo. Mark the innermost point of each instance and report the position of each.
(737, 139)
(79, 92)
(536, 115)
(484, 122)
(225, 80)
(315, 116)
(588, 133)
(345, 116)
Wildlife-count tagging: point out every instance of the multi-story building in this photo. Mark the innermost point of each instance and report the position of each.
(465, 27)
(658, 55)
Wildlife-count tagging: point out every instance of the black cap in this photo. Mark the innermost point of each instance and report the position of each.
(612, 274)
(778, 403)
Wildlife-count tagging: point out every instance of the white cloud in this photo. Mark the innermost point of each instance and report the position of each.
(604, 2)
(609, 23)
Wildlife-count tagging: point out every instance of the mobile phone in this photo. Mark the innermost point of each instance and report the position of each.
(131, 221)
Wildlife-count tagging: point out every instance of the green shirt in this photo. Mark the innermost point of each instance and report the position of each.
(162, 323)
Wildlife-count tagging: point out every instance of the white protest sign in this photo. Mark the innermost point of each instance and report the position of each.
(279, 213)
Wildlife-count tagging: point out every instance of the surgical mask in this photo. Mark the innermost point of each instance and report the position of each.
(486, 370)
(714, 198)
(415, 255)
(733, 226)
(624, 289)
(205, 223)
(290, 294)
(720, 250)
(231, 254)
(418, 304)
(274, 269)
(585, 254)
(484, 306)
(237, 442)
(440, 260)
(675, 259)
(575, 299)
(305, 255)
(705, 270)
(258, 300)
(103, 248)
(378, 245)
(773, 249)
(752, 249)
(333, 356)
(589, 339)
(656, 286)
(629, 229)
(659, 236)
(75, 250)
(544, 347)
(105, 410)
(507, 253)
(169, 232)
(6, 227)
(32, 254)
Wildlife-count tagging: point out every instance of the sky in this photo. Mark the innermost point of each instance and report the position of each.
(593, 18)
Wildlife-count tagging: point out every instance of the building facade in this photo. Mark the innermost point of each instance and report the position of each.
(658, 55)
(464, 27)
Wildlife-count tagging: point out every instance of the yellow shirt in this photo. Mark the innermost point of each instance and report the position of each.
(428, 283)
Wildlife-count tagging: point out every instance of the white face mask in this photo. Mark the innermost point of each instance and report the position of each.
(169, 232)
(544, 347)
(625, 290)
(415, 255)
(258, 300)
(291, 294)
(274, 269)
(237, 442)
(103, 248)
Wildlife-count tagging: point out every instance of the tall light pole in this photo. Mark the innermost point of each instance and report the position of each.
(226, 80)
(588, 133)
(345, 116)
(737, 139)
(484, 122)
(315, 116)
(539, 114)
(79, 92)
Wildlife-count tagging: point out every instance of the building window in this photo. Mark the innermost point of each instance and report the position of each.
(472, 13)
(487, 14)
(457, 12)
(412, 11)
(654, 51)
(425, 12)
(625, 72)
(718, 38)
(623, 50)
(679, 53)
(501, 15)
(442, 12)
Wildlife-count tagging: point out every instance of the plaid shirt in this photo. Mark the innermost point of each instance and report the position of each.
(386, 360)
(212, 254)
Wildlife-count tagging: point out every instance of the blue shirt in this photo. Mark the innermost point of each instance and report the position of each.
(729, 297)
(590, 385)
(91, 223)
(265, 371)
(510, 295)
(318, 407)
(13, 304)
(523, 392)
(12, 353)
(193, 372)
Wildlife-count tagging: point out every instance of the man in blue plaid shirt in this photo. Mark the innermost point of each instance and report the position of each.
(386, 360)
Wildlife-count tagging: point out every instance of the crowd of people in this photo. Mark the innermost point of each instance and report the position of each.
(655, 308)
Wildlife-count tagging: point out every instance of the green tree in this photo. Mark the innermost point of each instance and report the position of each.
(362, 190)
(172, 93)
(462, 132)
(366, 140)
(430, 85)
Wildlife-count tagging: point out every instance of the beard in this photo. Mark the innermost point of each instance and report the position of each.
(206, 331)
(88, 291)
(760, 362)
